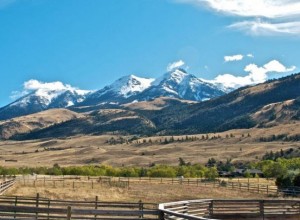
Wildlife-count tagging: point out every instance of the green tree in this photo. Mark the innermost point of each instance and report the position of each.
(274, 170)
(211, 173)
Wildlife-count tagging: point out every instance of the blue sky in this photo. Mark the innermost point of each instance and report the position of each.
(90, 43)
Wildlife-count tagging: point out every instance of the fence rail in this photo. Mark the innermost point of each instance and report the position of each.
(5, 185)
(231, 209)
(245, 184)
(14, 207)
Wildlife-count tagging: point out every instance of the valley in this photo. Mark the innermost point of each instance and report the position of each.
(239, 145)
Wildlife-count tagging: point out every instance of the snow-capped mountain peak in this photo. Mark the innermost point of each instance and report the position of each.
(180, 84)
(42, 96)
(129, 85)
(46, 96)
(176, 76)
(176, 83)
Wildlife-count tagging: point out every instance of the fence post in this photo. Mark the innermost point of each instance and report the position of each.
(37, 204)
(96, 205)
(141, 209)
(69, 213)
(267, 189)
(16, 201)
(48, 209)
(261, 209)
(92, 184)
(161, 215)
(211, 208)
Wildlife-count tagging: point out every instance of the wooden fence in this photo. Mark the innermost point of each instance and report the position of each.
(38, 208)
(233, 184)
(45, 209)
(231, 209)
(5, 185)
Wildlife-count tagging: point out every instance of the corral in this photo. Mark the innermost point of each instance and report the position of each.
(42, 207)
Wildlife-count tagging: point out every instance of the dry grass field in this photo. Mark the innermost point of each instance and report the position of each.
(147, 192)
(83, 150)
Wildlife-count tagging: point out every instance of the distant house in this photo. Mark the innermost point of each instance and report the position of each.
(238, 172)
(241, 173)
(254, 172)
(226, 174)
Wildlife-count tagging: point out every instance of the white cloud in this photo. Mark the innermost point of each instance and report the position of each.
(259, 27)
(280, 16)
(253, 8)
(250, 55)
(175, 65)
(255, 75)
(233, 58)
(44, 88)
(276, 66)
(35, 85)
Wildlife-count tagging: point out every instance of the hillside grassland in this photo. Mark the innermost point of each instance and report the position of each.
(238, 145)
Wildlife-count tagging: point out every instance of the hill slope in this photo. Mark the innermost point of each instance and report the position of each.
(34, 122)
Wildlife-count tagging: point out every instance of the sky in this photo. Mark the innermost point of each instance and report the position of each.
(88, 44)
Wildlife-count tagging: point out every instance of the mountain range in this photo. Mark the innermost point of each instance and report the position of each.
(177, 84)
(264, 105)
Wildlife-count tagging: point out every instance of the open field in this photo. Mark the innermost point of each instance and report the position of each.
(66, 202)
(147, 192)
(83, 150)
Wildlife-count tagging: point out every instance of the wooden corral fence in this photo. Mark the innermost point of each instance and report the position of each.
(266, 187)
(234, 185)
(231, 209)
(38, 208)
(73, 183)
(6, 184)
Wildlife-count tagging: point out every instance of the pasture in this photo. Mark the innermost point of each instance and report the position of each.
(238, 145)
(78, 197)
(154, 190)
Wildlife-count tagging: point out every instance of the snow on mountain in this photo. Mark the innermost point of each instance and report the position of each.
(220, 86)
(179, 84)
(119, 91)
(130, 85)
(42, 99)
(49, 97)
(176, 83)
